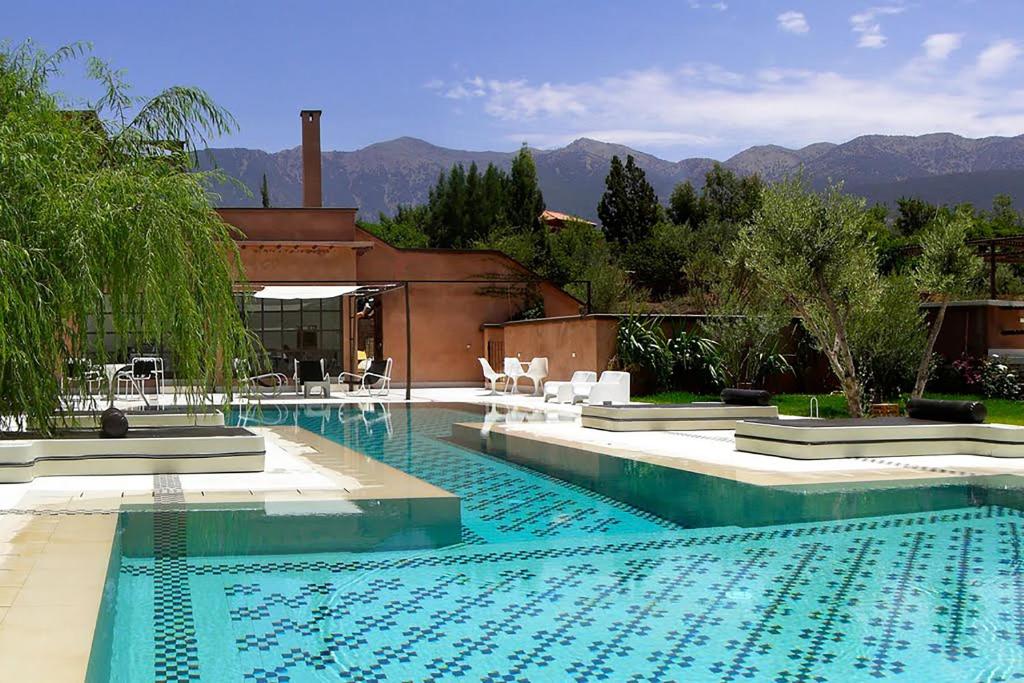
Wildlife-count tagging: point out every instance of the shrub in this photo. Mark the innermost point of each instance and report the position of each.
(986, 376)
(640, 345)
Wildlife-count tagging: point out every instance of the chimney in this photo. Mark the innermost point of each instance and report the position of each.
(312, 192)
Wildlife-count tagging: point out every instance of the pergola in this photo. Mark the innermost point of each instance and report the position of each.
(303, 289)
(994, 250)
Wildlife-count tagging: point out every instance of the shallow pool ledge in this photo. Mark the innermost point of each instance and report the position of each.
(701, 500)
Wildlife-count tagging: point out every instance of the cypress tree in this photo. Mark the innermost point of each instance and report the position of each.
(629, 207)
(265, 192)
(525, 200)
(493, 209)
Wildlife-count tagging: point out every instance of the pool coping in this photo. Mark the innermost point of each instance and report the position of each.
(865, 472)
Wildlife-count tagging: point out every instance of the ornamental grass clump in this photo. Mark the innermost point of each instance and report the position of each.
(99, 206)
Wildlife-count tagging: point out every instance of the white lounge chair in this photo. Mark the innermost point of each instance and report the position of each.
(490, 375)
(561, 391)
(536, 372)
(265, 384)
(513, 371)
(377, 373)
(613, 387)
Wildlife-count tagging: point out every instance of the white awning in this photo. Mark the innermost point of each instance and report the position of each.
(305, 291)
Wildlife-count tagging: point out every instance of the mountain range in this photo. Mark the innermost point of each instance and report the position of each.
(941, 168)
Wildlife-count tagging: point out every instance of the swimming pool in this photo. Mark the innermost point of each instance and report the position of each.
(557, 582)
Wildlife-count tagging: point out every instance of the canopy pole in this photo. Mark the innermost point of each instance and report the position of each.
(408, 347)
(992, 271)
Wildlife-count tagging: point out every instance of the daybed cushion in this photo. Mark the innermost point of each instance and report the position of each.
(970, 412)
(746, 397)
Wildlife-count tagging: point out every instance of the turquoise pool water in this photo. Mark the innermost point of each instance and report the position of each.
(554, 582)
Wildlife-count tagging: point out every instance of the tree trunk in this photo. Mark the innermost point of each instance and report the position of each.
(852, 391)
(846, 367)
(929, 347)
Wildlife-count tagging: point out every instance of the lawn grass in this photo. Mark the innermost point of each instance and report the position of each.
(834, 405)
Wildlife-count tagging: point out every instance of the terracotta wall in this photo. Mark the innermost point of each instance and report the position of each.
(569, 344)
(447, 319)
(976, 328)
(1006, 327)
(304, 224)
(267, 263)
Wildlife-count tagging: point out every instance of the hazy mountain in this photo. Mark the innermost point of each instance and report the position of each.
(939, 167)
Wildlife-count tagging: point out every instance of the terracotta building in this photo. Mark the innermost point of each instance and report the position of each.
(463, 304)
(452, 293)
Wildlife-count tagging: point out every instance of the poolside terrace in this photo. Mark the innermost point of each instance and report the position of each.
(57, 532)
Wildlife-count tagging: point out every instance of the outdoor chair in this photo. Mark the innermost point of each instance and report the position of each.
(377, 374)
(561, 391)
(132, 378)
(490, 375)
(266, 384)
(157, 373)
(310, 374)
(536, 372)
(612, 387)
(513, 371)
(81, 372)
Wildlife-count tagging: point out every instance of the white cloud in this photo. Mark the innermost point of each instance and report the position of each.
(866, 25)
(793, 22)
(938, 46)
(997, 59)
(715, 4)
(706, 106)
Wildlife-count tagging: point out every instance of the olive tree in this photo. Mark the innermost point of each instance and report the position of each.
(810, 251)
(945, 270)
(101, 207)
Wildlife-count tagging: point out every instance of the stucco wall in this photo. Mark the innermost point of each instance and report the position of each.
(266, 263)
(446, 318)
(306, 224)
(569, 344)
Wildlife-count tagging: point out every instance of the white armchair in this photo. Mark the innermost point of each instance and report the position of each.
(613, 387)
(561, 391)
(513, 371)
(490, 375)
(536, 372)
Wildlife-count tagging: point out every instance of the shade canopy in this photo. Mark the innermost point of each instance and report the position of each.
(305, 291)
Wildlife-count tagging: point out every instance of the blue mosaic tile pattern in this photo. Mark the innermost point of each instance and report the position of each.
(569, 586)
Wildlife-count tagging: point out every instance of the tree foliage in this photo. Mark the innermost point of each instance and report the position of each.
(811, 251)
(94, 209)
(728, 198)
(945, 270)
(629, 208)
(264, 193)
(887, 340)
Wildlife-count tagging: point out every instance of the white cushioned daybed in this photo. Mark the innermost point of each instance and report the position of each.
(639, 417)
(736, 404)
(877, 437)
(148, 450)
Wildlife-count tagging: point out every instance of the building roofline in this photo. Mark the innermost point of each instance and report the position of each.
(492, 252)
(346, 209)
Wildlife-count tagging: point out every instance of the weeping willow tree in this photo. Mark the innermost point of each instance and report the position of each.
(99, 206)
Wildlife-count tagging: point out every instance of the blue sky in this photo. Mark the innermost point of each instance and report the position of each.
(677, 79)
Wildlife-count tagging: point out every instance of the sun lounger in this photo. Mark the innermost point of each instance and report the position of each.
(960, 433)
(737, 404)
